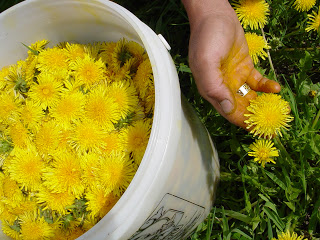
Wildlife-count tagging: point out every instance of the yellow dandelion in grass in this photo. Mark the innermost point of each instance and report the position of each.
(263, 151)
(47, 138)
(87, 136)
(31, 114)
(38, 46)
(64, 174)
(69, 108)
(88, 71)
(74, 51)
(4, 72)
(10, 192)
(314, 22)
(9, 106)
(143, 78)
(269, 113)
(99, 203)
(136, 138)
(303, 5)
(256, 45)
(101, 108)
(116, 172)
(54, 61)
(252, 13)
(10, 231)
(19, 135)
(288, 236)
(90, 163)
(113, 142)
(26, 168)
(55, 201)
(34, 227)
(125, 96)
(46, 92)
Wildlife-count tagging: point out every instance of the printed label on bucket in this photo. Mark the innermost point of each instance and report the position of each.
(173, 219)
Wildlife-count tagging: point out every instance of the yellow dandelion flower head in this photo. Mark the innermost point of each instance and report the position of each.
(47, 138)
(26, 168)
(16, 76)
(136, 138)
(64, 138)
(150, 99)
(101, 108)
(125, 95)
(55, 201)
(76, 232)
(38, 46)
(313, 21)
(90, 163)
(31, 114)
(88, 71)
(144, 77)
(269, 113)
(19, 135)
(113, 142)
(55, 61)
(10, 231)
(4, 72)
(256, 45)
(99, 203)
(288, 236)
(263, 151)
(116, 172)
(30, 69)
(9, 107)
(47, 91)
(93, 49)
(107, 49)
(10, 192)
(89, 222)
(137, 51)
(25, 206)
(303, 5)
(69, 108)
(64, 175)
(120, 55)
(34, 227)
(6, 214)
(252, 13)
(87, 136)
(74, 51)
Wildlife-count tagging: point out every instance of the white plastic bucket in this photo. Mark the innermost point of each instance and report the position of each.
(174, 187)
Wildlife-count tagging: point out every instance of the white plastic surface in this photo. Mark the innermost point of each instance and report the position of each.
(174, 187)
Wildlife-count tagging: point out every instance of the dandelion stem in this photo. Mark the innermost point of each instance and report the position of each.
(269, 56)
(284, 151)
(315, 121)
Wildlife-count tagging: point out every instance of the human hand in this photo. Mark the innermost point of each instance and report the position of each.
(219, 59)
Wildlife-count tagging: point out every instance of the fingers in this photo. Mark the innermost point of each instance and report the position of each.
(261, 84)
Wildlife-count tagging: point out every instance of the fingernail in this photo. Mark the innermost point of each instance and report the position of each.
(226, 106)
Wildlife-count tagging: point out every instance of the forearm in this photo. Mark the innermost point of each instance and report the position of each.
(199, 9)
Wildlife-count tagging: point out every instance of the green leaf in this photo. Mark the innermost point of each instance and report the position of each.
(274, 217)
(274, 178)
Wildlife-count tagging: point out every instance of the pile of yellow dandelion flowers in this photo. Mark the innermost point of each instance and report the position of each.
(75, 120)
(269, 114)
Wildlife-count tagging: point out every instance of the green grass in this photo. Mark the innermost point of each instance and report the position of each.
(254, 202)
